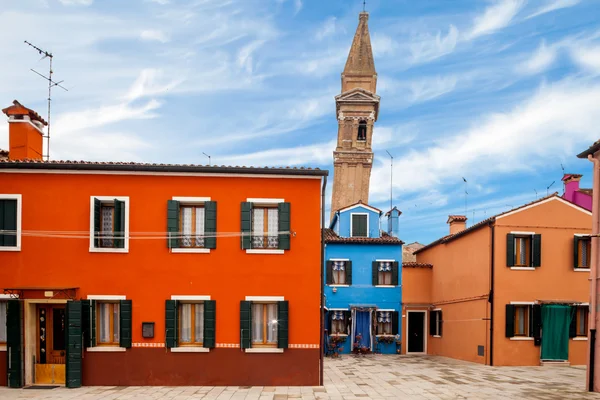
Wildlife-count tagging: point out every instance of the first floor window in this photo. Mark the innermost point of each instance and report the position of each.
(108, 323)
(107, 212)
(523, 251)
(584, 252)
(191, 324)
(109, 222)
(192, 226)
(2, 322)
(522, 315)
(384, 322)
(581, 317)
(264, 324)
(8, 222)
(265, 227)
(339, 272)
(384, 273)
(338, 323)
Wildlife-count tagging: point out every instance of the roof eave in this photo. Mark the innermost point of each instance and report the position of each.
(590, 151)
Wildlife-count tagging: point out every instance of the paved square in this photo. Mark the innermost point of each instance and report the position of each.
(370, 377)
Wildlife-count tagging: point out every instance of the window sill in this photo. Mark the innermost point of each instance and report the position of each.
(10, 248)
(190, 349)
(264, 350)
(190, 250)
(523, 268)
(521, 338)
(386, 286)
(581, 269)
(107, 250)
(338, 335)
(2, 347)
(106, 349)
(384, 336)
(438, 336)
(264, 251)
(580, 338)
(338, 285)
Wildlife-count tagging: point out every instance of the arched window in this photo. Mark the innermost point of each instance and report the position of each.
(362, 130)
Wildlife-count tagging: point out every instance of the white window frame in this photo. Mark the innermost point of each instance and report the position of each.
(190, 299)
(268, 202)
(125, 248)
(523, 303)
(264, 299)
(368, 230)
(191, 201)
(106, 298)
(19, 199)
(335, 284)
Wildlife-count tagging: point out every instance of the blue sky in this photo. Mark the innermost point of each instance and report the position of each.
(501, 92)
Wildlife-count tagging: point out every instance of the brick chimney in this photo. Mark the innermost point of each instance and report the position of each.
(25, 132)
(457, 223)
(571, 182)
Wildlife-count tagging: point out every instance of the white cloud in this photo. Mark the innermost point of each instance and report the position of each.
(244, 57)
(161, 2)
(76, 2)
(150, 82)
(587, 57)
(327, 29)
(156, 35)
(319, 154)
(540, 60)
(426, 47)
(297, 6)
(429, 88)
(554, 5)
(495, 17)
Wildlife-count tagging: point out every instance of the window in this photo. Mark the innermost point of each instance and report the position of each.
(362, 131)
(581, 318)
(360, 225)
(435, 327)
(192, 226)
(338, 323)
(191, 324)
(109, 226)
(522, 320)
(339, 272)
(108, 323)
(384, 322)
(522, 251)
(584, 252)
(10, 222)
(264, 324)
(2, 322)
(107, 212)
(384, 273)
(265, 227)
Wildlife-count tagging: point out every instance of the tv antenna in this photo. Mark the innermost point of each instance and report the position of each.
(466, 194)
(536, 194)
(548, 188)
(563, 170)
(51, 84)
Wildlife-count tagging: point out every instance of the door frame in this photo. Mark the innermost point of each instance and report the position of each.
(424, 331)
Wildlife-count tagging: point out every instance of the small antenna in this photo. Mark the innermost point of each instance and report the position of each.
(548, 188)
(208, 158)
(536, 194)
(563, 171)
(51, 84)
(364, 5)
(391, 178)
(466, 194)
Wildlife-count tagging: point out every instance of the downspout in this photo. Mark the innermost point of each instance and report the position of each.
(491, 298)
(594, 271)
(322, 319)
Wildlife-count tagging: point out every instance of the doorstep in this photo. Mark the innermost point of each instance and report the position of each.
(553, 363)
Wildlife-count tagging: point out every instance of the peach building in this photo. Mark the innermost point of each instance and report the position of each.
(509, 290)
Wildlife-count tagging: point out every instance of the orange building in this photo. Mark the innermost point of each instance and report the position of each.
(152, 274)
(509, 290)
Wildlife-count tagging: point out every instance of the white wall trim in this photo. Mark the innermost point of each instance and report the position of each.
(583, 304)
(338, 285)
(19, 200)
(339, 259)
(191, 200)
(264, 350)
(378, 260)
(265, 298)
(437, 309)
(521, 338)
(126, 239)
(192, 250)
(424, 331)
(368, 207)
(580, 338)
(543, 202)
(106, 349)
(522, 303)
(264, 251)
(523, 268)
(264, 201)
(385, 309)
(190, 297)
(338, 309)
(8, 296)
(385, 286)
(190, 349)
(25, 120)
(522, 233)
(582, 234)
(368, 226)
(107, 297)
(581, 269)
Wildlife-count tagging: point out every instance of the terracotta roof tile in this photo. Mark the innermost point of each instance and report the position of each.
(19, 109)
(416, 265)
(331, 237)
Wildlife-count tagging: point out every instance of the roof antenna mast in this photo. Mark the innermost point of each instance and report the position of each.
(51, 84)
(364, 5)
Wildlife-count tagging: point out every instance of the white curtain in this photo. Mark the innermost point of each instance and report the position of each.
(199, 227)
(257, 323)
(104, 321)
(107, 226)
(271, 323)
(186, 222)
(353, 329)
(199, 323)
(339, 272)
(273, 227)
(2, 321)
(185, 333)
(258, 227)
(523, 253)
(521, 320)
(116, 321)
(584, 251)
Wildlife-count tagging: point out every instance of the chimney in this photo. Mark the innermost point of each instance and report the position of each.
(457, 223)
(392, 217)
(25, 132)
(571, 182)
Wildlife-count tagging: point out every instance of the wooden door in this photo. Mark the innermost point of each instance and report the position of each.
(51, 346)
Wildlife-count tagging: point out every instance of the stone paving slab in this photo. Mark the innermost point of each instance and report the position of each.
(376, 377)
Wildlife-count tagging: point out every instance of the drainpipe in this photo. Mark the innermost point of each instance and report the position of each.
(322, 319)
(594, 381)
(491, 298)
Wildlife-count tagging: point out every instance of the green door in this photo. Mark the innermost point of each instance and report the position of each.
(74, 340)
(14, 341)
(556, 319)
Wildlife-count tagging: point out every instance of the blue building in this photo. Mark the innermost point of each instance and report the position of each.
(363, 287)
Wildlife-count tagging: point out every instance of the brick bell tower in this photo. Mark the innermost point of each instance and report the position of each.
(357, 109)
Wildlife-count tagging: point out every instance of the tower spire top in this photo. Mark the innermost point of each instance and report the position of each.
(360, 59)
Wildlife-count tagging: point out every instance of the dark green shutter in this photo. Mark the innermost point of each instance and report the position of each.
(173, 224)
(395, 319)
(2, 222)
(97, 221)
(510, 250)
(395, 272)
(536, 324)
(375, 273)
(74, 342)
(284, 214)
(359, 225)
(88, 327)
(245, 324)
(125, 323)
(348, 272)
(282, 324)
(171, 323)
(329, 272)
(210, 316)
(8, 222)
(210, 225)
(432, 322)
(246, 225)
(14, 344)
(119, 224)
(441, 322)
(510, 321)
(536, 252)
(576, 252)
(573, 324)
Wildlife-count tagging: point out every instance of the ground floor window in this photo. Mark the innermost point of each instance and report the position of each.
(264, 324)
(522, 315)
(581, 317)
(384, 323)
(338, 323)
(191, 324)
(108, 323)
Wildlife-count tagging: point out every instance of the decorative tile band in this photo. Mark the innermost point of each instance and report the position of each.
(303, 346)
(148, 344)
(230, 345)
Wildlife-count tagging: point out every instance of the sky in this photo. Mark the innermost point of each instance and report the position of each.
(503, 93)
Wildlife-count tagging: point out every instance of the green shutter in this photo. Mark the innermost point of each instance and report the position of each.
(536, 252)
(8, 222)
(510, 321)
(395, 272)
(395, 319)
(171, 323)
(210, 316)
(74, 343)
(576, 252)
(97, 221)
(245, 324)
(88, 317)
(359, 225)
(284, 214)
(172, 224)
(432, 322)
(348, 272)
(246, 225)
(329, 272)
(282, 324)
(2, 222)
(573, 324)
(441, 322)
(510, 250)
(210, 225)
(14, 344)
(375, 273)
(536, 324)
(125, 323)
(119, 225)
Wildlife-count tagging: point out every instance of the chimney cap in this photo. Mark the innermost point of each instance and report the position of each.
(387, 214)
(19, 109)
(456, 218)
(569, 177)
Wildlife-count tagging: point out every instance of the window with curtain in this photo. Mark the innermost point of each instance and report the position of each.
(338, 323)
(191, 324)
(264, 324)
(2, 322)
(522, 315)
(584, 252)
(107, 321)
(384, 273)
(339, 272)
(265, 227)
(581, 316)
(191, 226)
(384, 323)
(107, 215)
(523, 251)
